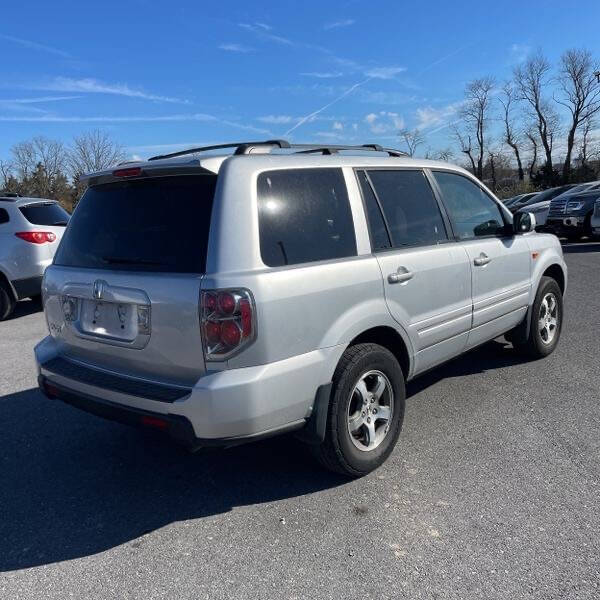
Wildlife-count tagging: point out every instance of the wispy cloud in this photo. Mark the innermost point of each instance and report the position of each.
(323, 75)
(384, 122)
(429, 117)
(236, 48)
(519, 52)
(340, 23)
(35, 46)
(276, 119)
(320, 110)
(94, 86)
(384, 72)
(263, 32)
(368, 70)
(444, 58)
(41, 99)
(206, 118)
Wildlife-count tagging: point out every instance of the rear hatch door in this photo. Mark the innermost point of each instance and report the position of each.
(123, 291)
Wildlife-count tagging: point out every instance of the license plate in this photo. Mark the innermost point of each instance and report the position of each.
(109, 319)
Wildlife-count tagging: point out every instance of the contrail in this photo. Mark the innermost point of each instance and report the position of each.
(314, 114)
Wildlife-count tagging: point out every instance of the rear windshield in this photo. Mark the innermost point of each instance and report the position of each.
(47, 214)
(158, 224)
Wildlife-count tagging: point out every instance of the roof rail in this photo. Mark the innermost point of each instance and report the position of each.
(334, 149)
(10, 195)
(240, 148)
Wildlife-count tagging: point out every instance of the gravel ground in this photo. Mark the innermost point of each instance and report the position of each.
(492, 492)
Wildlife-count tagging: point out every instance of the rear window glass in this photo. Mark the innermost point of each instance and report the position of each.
(47, 214)
(158, 224)
(304, 216)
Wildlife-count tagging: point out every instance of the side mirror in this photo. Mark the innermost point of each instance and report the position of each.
(523, 222)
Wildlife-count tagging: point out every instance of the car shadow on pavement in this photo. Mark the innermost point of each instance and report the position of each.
(496, 354)
(73, 485)
(26, 307)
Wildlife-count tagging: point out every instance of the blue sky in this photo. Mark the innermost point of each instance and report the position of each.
(161, 76)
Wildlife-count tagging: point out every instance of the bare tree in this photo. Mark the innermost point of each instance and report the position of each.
(584, 146)
(43, 159)
(580, 95)
(531, 136)
(476, 114)
(465, 145)
(94, 151)
(512, 137)
(5, 173)
(530, 80)
(445, 154)
(412, 139)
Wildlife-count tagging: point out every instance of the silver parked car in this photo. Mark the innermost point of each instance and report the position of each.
(30, 229)
(221, 299)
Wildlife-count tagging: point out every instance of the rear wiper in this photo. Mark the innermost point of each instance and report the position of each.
(118, 260)
(61, 223)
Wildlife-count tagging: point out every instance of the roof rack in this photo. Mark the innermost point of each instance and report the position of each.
(11, 196)
(334, 149)
(240, 148)
(247, 147)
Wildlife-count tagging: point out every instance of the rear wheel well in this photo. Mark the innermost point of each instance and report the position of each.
(4, 280)
(557, 274)
(388, 338)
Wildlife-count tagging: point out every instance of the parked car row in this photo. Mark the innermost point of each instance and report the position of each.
(30, 229)
(566, 210)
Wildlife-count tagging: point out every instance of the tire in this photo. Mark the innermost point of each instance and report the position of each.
(349, 454)
(541, 342)
(7, 301)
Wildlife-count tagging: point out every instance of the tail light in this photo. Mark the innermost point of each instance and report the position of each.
(36, 237)
(228, 321)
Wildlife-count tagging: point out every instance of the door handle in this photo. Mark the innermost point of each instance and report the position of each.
(400, 276)
(481, 260)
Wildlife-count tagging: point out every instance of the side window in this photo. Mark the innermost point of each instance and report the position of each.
(379, 235)
(3, 216)
(411, 210)
(304, 216)
(472, 212)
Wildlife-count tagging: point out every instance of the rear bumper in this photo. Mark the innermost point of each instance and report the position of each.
(223, 408)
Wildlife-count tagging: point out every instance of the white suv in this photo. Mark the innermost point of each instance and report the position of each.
(223, 298)
(30, 229)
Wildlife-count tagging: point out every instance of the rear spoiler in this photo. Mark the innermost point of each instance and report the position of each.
(145, 170)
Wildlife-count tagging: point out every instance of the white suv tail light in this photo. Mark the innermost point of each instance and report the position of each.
(228, 322)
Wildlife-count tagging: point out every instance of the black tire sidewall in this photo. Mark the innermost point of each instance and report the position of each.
(6, 302)
(546, 285)
(377, 358)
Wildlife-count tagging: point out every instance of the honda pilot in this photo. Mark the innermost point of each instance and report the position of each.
(223, 298)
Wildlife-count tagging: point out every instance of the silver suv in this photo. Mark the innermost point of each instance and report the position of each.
(30, 229)
(224, 298)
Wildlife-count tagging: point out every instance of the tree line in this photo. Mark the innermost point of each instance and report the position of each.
(538, 126)
(45, 168)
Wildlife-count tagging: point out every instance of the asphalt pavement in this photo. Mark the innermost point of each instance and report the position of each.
(493, 490)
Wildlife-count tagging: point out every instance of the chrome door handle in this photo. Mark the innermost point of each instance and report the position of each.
(481, 260)
(400, 276)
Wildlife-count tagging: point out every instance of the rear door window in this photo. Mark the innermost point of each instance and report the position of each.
(155, 224)
(304, 216)
(48, 214)
(411, 210)
(3, 216)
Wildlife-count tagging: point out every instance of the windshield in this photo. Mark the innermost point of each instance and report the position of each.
(155, 224)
